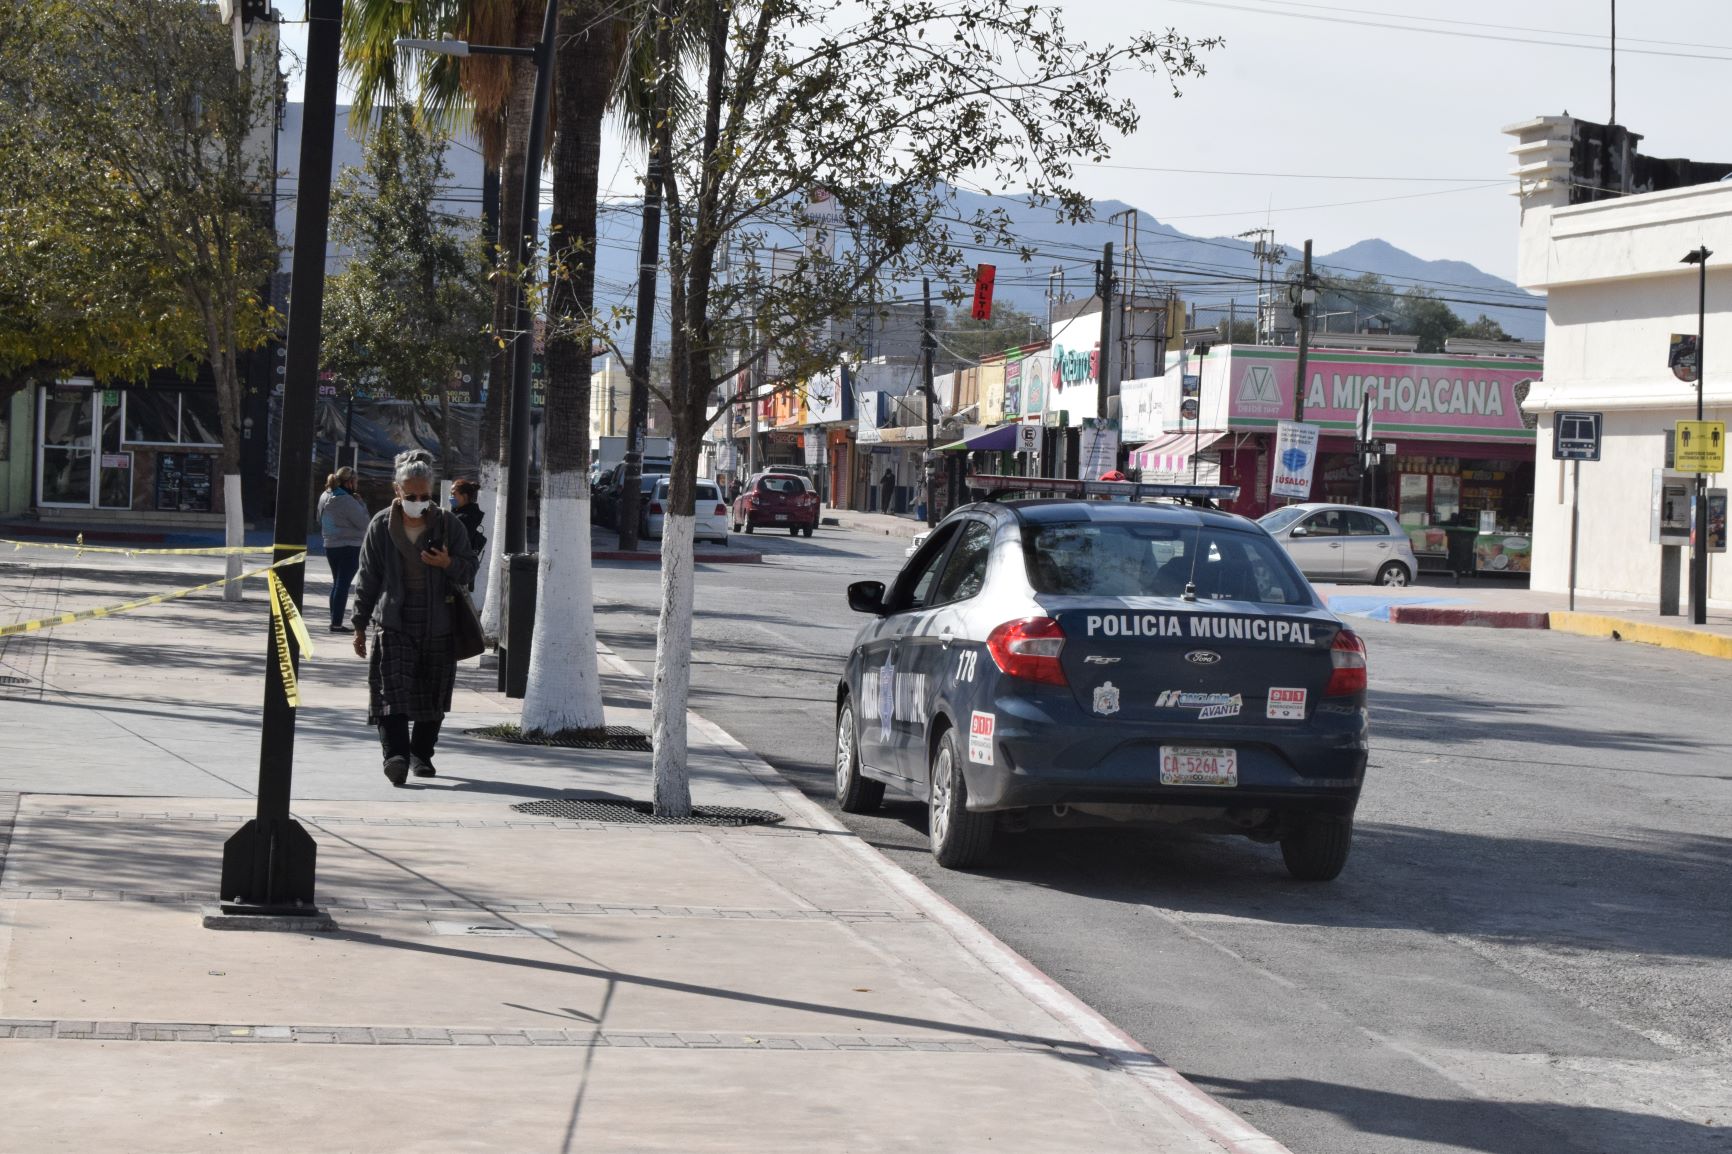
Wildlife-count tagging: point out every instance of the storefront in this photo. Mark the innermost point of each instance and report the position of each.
(17, 430)
(150, 450)
(1461, 474)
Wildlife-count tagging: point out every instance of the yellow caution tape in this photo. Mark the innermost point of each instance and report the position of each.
(81, 547)
(283, 611)
(156, 599)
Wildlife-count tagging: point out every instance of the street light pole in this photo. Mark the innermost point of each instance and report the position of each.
(1699, 551)
(270, 863)
(523, 351)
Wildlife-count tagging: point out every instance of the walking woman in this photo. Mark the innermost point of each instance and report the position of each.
(343, 521)
(415, 559)
(463, 495)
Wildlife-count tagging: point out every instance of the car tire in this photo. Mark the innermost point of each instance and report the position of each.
(1394, 574)
(806, 532)
(855, 792)
(960, 839)
(748, 526)
(1315, 848)
(793, 530)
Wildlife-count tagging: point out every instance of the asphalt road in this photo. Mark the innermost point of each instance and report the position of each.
(1528, 953)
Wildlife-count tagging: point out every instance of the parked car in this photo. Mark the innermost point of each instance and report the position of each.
(777, 501)
(710, 511)
(604, 491)
(1344, 543)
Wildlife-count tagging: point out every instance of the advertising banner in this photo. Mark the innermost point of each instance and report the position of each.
(1412, 395)
(1100, 448)
(1295, 458)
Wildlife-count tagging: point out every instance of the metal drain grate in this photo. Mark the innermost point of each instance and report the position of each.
(643, 813)
(617, 737)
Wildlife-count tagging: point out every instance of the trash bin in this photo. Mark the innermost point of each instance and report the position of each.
(516, 622)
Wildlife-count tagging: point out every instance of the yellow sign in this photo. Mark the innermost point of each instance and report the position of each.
(1700, 447)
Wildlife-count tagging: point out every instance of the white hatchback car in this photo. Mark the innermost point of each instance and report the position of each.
(1345, 542)
(712, 512)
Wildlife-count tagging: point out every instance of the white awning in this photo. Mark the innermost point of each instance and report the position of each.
(1172, 453)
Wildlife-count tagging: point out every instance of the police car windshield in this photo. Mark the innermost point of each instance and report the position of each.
(1128, 559)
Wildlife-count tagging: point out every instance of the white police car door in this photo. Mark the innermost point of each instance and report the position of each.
(883, 679)
(934, 652)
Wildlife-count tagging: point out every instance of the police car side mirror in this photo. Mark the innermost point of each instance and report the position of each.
(867, 597)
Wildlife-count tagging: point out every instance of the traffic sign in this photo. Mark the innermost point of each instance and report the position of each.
(1700, 447)
(1028, 438)
(1576, 436)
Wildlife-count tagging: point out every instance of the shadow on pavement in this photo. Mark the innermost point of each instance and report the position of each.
(1475, 1123)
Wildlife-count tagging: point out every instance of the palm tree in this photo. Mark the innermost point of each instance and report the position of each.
(497, 94)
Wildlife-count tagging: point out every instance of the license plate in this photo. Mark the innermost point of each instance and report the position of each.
(781, 516)
(1198, 765)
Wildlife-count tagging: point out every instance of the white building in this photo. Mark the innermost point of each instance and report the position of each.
(1616, 291)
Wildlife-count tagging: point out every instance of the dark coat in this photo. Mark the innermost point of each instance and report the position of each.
(379, 587)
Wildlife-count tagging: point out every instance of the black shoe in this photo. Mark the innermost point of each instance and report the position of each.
(341, 629)
(397, 769)
(420, 766)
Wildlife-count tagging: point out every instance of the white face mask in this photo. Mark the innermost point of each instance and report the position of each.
(415, 508)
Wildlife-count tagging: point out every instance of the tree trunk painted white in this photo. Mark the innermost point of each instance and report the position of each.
(564, 682)
(487, 498)
(672, 791)
(494, 562)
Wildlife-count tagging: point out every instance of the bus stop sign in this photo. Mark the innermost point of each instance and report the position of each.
(1576, 436)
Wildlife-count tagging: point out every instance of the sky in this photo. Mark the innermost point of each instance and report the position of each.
(1342, 120)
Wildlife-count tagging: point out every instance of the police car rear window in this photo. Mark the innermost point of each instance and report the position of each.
(1103, 559)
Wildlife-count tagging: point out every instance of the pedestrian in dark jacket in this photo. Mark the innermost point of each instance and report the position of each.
(463, 496)
(415, 560)
(343, 521)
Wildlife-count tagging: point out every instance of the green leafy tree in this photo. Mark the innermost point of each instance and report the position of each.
(1428, 318)
(136, 181)
(884, 105)
(1483, 329)
(404, 317)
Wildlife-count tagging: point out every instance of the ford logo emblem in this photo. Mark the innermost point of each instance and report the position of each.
(1202, 657)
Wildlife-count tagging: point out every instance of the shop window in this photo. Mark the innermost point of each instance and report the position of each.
(172, 417)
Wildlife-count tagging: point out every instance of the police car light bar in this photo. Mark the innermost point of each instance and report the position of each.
(1067, 487)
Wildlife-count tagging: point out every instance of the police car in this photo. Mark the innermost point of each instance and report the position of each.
(1120, 653)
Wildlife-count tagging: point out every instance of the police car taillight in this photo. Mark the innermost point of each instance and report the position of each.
(1347, 657)
(1029, 648)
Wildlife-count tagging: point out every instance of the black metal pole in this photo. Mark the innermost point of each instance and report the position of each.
(648, 258)
(1575, 524)
(269, 864)
(1699, 554)
(517, 484)
(927, 344)
(1103, 381)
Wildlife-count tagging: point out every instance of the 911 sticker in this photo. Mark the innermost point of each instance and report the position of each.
(980, 728)
(1286, 705)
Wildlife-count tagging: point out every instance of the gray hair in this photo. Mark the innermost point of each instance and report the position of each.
(415, 463)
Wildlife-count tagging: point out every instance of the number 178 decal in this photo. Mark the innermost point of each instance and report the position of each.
(965, 665)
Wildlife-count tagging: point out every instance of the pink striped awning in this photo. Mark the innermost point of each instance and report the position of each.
(1171, 453)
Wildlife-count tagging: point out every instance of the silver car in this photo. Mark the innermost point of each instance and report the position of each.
(1344, 543)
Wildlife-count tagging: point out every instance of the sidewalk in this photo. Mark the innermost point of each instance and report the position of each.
(889, 524)
(499, 981)
(604, 546)
(1511, 607)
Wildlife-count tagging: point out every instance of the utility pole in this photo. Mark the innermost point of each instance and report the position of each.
(1302, 309)
(517, 485)
(649, 255)
(928, 343)
(1104, 361)
(270, 863)
(1614, 116)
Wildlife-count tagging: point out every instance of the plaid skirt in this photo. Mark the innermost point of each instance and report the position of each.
(410, 674)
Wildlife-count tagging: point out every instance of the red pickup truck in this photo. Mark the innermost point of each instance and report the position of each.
(777, 501)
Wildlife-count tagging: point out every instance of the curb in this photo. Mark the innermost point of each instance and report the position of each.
(913, 528)
(1170, 1088)
(1483, 618)
(1665, 636)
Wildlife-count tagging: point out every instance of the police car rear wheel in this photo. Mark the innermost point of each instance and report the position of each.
(1315, 848)
(855, 793)
(959, 839)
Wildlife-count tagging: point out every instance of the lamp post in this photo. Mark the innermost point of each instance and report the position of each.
(523, 352)
(1699, 545)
